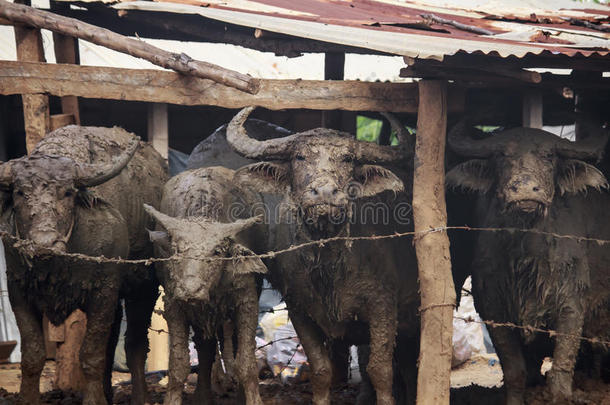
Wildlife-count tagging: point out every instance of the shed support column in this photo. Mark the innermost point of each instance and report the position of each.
(35, 106)
(158, 128)
(532, 109)
(434, 263)
(66, 51)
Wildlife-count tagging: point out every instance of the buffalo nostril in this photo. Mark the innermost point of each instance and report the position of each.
(513, 188)
(314, 191)
(335, 191)
(536, 189)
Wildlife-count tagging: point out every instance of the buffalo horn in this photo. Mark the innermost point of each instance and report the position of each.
(251, 148)
(90, 175)
(591, 147)
(462, 144)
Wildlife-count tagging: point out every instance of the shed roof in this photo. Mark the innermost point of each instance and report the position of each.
(425, 29)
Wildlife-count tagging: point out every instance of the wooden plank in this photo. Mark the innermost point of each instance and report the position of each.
(61, 120)
(69, 373)
(432, 249)
(19, 13)
(334, 69)
(532, 109)
(170, 87)
(35, 106)
(158, 128)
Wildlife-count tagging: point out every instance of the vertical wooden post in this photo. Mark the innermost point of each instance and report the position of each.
(334, 67)
(66, 51)
(35, 106)
(158, 136)
(532, 109)
(434, 262)
(158, 128)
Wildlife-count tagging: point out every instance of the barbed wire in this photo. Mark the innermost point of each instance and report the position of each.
(29, 248)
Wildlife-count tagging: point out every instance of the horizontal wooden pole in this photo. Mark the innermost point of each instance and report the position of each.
(22, 14)
(169, 87)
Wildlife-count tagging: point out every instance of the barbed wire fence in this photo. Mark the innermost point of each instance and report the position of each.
(30, 250)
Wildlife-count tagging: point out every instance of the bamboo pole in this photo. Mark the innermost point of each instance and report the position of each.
(20, 14)
(432, 249)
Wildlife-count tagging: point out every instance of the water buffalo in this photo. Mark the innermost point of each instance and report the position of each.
(81, 190)
(333, 186)
(533, 180)
(198, 207)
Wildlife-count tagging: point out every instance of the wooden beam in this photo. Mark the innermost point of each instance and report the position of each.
(158, 128)
(18, 13)
(532, 109)
(432, 249)
(168, 87)
(35, 106)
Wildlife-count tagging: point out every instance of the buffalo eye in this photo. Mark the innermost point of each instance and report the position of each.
(19, 193)
(69, 193)
(299, 157)
(348, 158)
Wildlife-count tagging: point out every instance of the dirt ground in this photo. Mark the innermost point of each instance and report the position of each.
(476, 382)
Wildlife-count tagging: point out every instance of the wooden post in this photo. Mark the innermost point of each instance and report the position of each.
(66, 51)
(158, 128)
(334, 67)
(532, 109)
(432, 249)
(158, 356)
(35, 106)
(69, 373)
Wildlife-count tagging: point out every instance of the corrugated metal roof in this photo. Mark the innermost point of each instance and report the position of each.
(521, 27)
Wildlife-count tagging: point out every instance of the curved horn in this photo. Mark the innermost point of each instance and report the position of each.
(462, 144)
(404, 137)
(90, 175)
(239, 140)
(167, 222)
(6, 176)
(591, 147)
(233, 228)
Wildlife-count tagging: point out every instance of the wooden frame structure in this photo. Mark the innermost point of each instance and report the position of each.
(431, 100)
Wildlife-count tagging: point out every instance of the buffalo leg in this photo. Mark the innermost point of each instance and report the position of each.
(179, 361)
(100, 317)
(313, 343)
(206, 351)
(508, 346)
(245, 364)
(382, 341)
(138, 308)
(33, 353)
(110, 349)
(567, 343)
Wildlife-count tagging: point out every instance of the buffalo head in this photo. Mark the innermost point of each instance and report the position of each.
(197, 238)
(525, 167)
(321, 170)
(44, 190)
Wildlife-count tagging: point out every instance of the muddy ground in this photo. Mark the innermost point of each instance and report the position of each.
(476, 382)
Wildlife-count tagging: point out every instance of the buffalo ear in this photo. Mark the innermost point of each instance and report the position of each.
(161, 240)
(574, 176)
(474, 175)
(375, 179)
(246, 265)
(265, 177)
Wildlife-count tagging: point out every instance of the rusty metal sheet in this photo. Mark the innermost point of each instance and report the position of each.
(415, 28)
